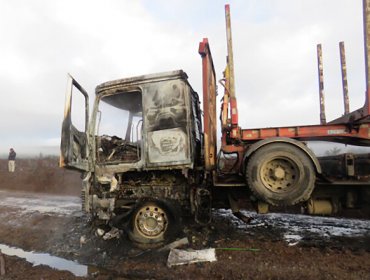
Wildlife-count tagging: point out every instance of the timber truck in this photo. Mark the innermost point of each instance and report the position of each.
(148, 153)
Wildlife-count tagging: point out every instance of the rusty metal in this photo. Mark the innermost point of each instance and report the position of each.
(209, 106)
(225, 105)
(322, 207)
(229, 108)
(366, 19)
(320, 69)
(230, 78)
(333, 132)
(262, 207)
(344, 77)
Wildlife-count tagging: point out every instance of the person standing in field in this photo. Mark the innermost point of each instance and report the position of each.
(11, 160)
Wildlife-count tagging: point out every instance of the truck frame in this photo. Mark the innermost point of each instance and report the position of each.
(148, 157)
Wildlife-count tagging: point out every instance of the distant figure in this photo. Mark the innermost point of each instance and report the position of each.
(11, 158)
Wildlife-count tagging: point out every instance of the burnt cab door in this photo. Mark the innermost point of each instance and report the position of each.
(74, 148)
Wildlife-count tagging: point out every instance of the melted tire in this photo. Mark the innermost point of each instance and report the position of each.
(281, 174)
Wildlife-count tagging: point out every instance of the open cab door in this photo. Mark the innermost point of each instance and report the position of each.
(74, 147)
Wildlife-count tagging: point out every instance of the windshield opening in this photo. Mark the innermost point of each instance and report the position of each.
(119, 127)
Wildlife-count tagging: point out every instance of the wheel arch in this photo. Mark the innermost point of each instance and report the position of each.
(256, 146)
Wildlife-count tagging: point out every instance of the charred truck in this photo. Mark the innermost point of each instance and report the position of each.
(148, 153)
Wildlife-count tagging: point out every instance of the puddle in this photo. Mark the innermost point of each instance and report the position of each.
(42, 203)
(46, 259)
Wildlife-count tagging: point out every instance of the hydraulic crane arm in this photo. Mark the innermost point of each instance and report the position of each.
(229, 72)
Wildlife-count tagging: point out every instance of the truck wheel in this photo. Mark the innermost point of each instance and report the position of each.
(152, 222)
(281, 174)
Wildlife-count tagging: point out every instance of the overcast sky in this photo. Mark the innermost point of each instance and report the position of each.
(96, 41)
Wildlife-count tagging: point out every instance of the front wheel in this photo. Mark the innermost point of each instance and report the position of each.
(153, 222)
(281, 174)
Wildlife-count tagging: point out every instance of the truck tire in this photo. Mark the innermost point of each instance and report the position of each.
(153, 222)
(281, 174)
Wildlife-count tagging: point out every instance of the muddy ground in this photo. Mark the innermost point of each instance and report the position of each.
(272, 246)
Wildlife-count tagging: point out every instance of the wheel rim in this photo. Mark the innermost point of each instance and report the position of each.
(151, 221)
(279, 174)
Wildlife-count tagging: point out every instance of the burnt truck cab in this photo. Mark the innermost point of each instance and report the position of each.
(139, 152)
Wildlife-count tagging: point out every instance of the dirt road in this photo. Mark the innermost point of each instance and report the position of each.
(275, 246)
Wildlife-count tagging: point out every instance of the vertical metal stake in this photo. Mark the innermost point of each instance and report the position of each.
(344, 77)
(366, 10)
(320, 69)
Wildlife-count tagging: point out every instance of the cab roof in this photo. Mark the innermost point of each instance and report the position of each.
(139, 80)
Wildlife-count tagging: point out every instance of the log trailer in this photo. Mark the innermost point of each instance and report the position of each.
(148, 153)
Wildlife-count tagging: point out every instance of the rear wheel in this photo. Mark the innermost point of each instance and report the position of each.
(153, 222)
(281, 174)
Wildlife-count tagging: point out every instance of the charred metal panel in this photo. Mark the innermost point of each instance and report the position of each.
(138, 81)
(167, 123)
(74, 150)
(167, 145)
(162, 184)
(119, 195)
(197, 129)
(166, 105)
(170, 125)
